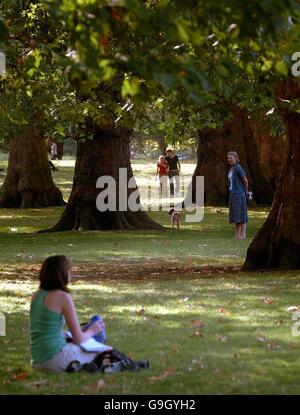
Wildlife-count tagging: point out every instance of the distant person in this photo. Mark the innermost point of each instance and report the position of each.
(162, 174)
(238, 194)
(174, 170)
(54, 154)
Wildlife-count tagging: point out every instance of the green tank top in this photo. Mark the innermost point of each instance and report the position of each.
(46, 330)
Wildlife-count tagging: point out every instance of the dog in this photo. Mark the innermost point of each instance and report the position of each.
(175, 218)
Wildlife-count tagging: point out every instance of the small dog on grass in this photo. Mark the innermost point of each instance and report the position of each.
(175, 218)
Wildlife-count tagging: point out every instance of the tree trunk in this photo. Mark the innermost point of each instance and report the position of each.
(277, 243)
(162, 145)
(60, 149)
(213, 145)
(28, 183)
(272, 150)
(103, 155)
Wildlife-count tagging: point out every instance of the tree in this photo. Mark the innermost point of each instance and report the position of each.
(277, 244)
(28, 183)
(272, 147)
(25, 100)
(102, 155)
(150, 46)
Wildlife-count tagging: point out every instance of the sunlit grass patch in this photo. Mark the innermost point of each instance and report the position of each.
(174, 297)
(200, 335)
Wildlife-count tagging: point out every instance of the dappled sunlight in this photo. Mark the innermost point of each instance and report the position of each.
(168, 296)
(213, 324)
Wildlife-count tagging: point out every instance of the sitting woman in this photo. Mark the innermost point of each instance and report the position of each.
(51, 307)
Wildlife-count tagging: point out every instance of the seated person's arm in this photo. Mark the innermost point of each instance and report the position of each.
(69, 312)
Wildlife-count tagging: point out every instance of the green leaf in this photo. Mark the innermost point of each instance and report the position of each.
(267, 66)
(282, 68)
(130, 87)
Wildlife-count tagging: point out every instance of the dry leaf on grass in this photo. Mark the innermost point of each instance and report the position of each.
(100, 384)
(197, 324)
(293, 308)
(221, 338)
(140, 311)
(267, 300)
(20, 376)
(261, 339)
(162, 376)
(198, 334)
(37, 384)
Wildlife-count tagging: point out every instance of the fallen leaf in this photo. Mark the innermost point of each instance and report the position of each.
(198, 363)
(164, 375)
(183, 300)
(197, 324)
(198, 334)
(258, 371)
(39, 383)
(220, 373)
(267, 300)
(140, 311)
(221, 310)
(221, 338)
(292, 308)
(273, 346)
(100, 384)
(261, 339)
(20, 376)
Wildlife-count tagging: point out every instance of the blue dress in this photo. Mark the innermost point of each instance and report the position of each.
(238, 210)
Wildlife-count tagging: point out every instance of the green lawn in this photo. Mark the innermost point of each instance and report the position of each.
(175, 298)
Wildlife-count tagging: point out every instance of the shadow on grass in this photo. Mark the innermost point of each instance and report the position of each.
(201, 336)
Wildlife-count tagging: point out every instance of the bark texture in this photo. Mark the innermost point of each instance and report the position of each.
(272, 149)
(213, 145)
(28, 183)
(277, 243)
(102, 155)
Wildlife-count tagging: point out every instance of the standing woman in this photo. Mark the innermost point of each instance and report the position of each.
(238, 193)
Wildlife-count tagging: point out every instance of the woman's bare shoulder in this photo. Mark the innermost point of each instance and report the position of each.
(60, 294)
(34, 295)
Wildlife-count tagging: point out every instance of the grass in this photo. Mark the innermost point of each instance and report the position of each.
(175, 298)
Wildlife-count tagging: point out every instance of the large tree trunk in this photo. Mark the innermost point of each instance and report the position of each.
(28, 183)
(103, 155)
(277, 243)
(272, 149)
(213, 145)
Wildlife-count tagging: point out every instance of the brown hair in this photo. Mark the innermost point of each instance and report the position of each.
(54, 274)
(234, 154)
